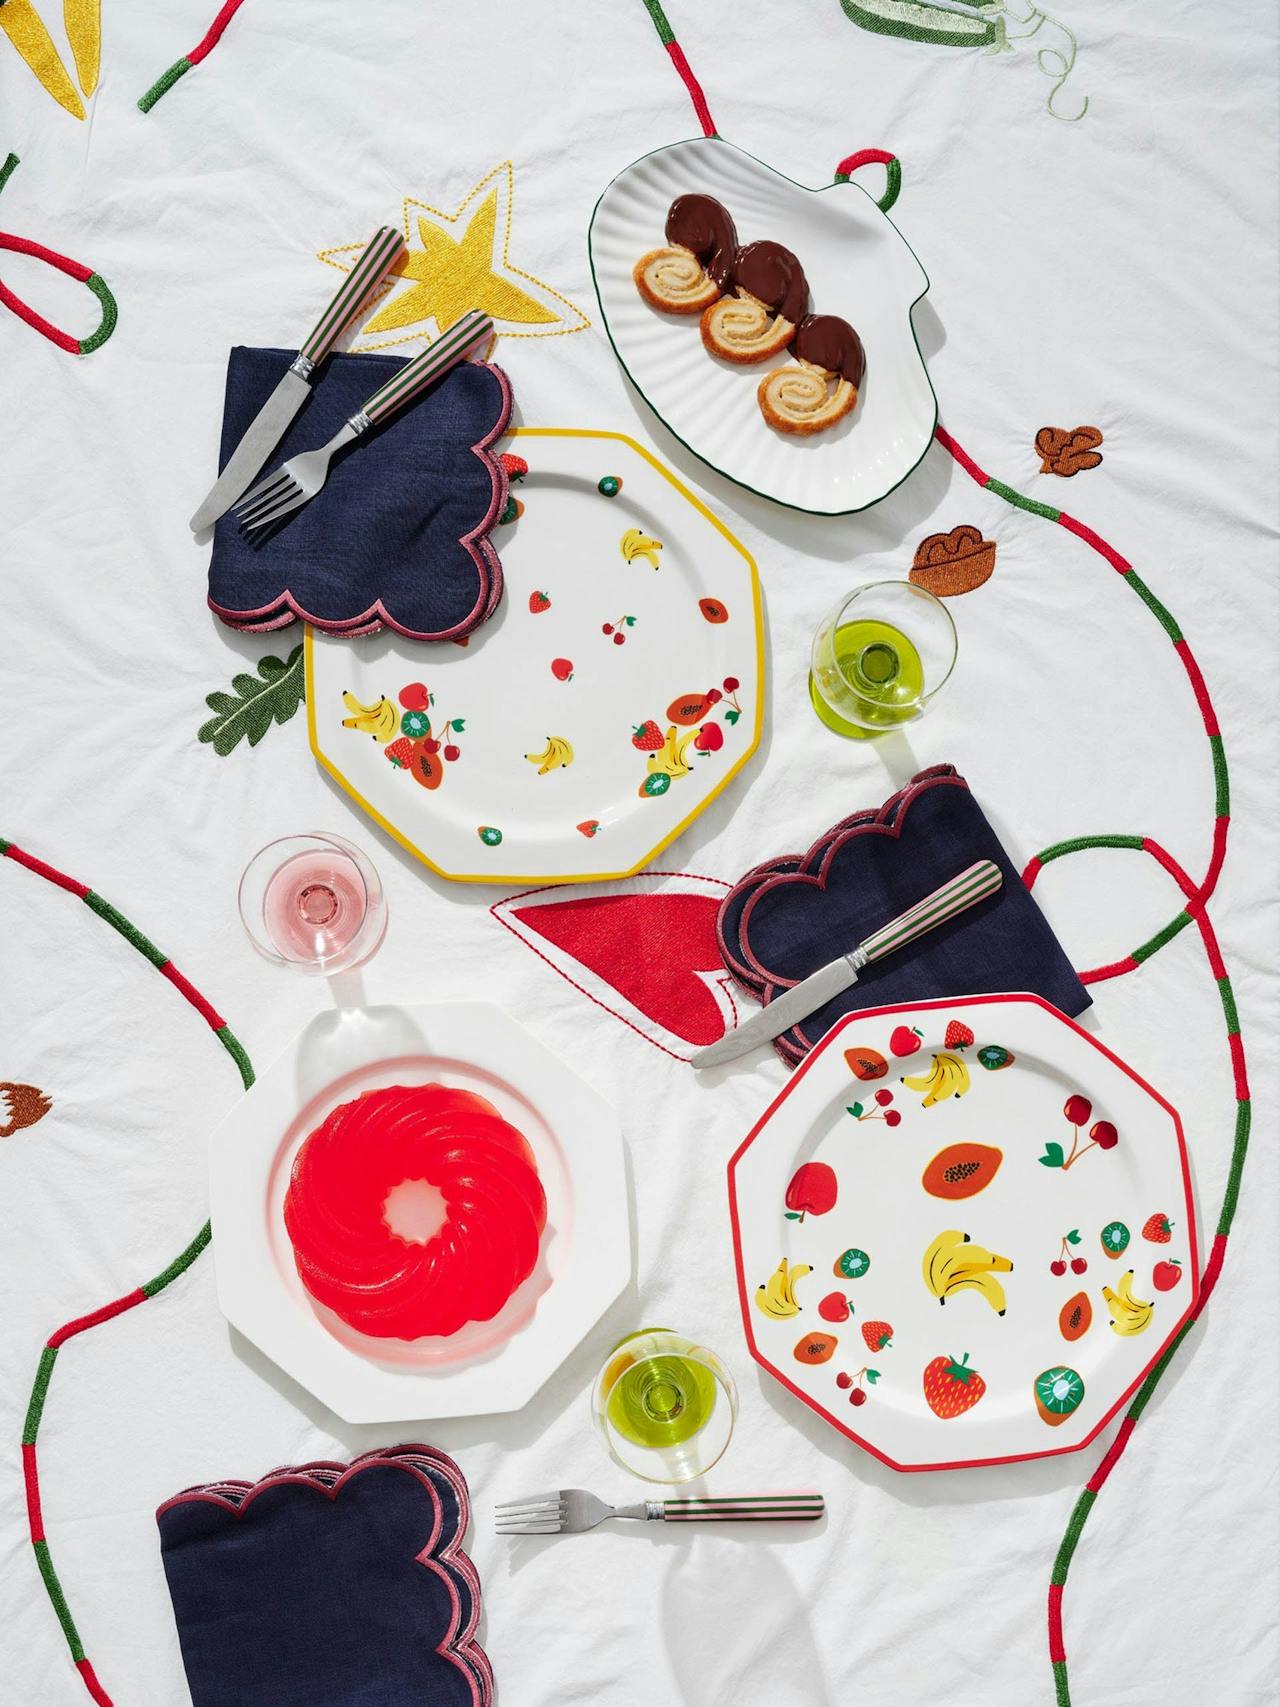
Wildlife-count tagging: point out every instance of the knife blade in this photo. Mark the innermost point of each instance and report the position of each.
(959, 893)
(384, 250)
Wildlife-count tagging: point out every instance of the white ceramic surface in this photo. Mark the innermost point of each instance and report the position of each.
(487, 1367)
(858, 266)
(543, 667)
(1023, 1215)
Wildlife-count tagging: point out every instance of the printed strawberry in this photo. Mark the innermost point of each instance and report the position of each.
(399, 751)
(878, 1335)
(1159, 1230)
(516, 466)
(958, 1036)
(589, 827)
(648, 737)
(538, 602)
(951, 1388)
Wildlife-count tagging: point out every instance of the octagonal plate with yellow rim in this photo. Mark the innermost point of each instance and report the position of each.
(617, 690)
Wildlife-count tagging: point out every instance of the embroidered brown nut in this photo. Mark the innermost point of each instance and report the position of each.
(1066, 451)
(947, 564)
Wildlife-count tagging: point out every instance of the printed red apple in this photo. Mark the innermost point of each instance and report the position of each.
(812, 1191)
(561, 669)
(905, 1040)
(709, 738)
(1166, 1275)
(835, 1308)
(415, 697)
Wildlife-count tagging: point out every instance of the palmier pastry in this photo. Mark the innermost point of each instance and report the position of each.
(820, 386)
(771, 296)
(695, 270)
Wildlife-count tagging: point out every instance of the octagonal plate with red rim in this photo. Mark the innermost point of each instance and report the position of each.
(964, 1232)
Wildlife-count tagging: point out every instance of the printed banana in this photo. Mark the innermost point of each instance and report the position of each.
(953, 1263)
(381, 719)
(778, 1297)
(948, 1077)
(636, 544)
(669, 759)
(554, 756)
(1129, 1315)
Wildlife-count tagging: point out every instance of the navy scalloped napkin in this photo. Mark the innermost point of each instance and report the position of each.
(400, 532)
(788, 916)
(311, 1588)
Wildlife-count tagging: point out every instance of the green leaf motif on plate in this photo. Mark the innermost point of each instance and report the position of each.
(255, 703)
(1054, 1156)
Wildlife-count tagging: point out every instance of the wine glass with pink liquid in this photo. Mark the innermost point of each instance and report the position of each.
(313, 902)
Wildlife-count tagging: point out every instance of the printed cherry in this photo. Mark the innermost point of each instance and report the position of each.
(1104, 1135)
(1077, 1110)
(1166, 1275)
(844, 1379)
(884, 1096)
(731, 685)
(619, 639)
(858, 1396)
(1078, 1265)
(905, 1040)
(415, 697)
(1057, 1266)
(892, 1117)
(451, 753)
(606, 628)
(431, 745)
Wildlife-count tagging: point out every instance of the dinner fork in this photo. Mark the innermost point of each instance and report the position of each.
(302, 476)
(572, 1510)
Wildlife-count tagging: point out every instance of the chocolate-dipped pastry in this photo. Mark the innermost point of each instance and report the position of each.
(695, 269)
(770, 297)
(801, 398)
(828, 342)
(773, 275)
(705, 226)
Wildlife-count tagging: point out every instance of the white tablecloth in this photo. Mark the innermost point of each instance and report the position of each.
(1117, 271)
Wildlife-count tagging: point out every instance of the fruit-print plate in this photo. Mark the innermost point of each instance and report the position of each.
(858, 266)
(584, 1257)
(617, 690)
(964, 1232)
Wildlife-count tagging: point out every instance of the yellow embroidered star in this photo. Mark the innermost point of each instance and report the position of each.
(458, 263)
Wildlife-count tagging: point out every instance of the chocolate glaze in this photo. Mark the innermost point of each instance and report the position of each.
(705, 226)
(830, 342)
(773, 276)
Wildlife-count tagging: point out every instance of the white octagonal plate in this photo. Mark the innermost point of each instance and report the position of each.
(490, 1366)
(964, 1232)
(859, 267)
(617, 690)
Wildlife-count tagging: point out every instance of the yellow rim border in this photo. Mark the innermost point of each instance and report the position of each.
(504, 878)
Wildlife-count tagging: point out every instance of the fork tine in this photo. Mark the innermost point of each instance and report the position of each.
(531, 1514)
(282, 489)
(256, 493)
(296, 498)
(553, 1498)
(548, 1528)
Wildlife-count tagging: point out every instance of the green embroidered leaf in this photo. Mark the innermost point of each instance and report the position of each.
(1054, 1156)
(272, 696)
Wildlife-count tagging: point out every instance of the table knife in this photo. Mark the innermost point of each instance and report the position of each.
(359, 288)
(955, 896)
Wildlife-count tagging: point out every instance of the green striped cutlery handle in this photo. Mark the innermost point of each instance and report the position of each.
(386, 247)
(749, 1508)
(966, 890)
(447, 351)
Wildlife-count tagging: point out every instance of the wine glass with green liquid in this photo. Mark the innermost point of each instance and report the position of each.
(879, 658)
(664, 1406)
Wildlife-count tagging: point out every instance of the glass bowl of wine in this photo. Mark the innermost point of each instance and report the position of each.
(664, 1406)
(880, 657)
(313, 902)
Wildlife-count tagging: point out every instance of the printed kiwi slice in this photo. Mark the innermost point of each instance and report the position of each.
(1058, 1392)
